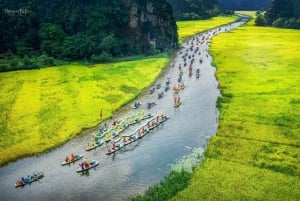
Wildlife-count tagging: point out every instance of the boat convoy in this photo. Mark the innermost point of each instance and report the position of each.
(115, 138)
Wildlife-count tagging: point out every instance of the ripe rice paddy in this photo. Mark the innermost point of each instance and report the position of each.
(187, 29)
(41, 109)
(255, 154)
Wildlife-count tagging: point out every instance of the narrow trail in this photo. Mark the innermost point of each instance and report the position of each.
(144, 162)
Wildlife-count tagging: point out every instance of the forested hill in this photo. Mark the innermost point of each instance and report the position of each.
(282, 13)
(194, 9)
(77, 29)
(244, 4)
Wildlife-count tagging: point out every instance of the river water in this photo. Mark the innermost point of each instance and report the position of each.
(141, 164)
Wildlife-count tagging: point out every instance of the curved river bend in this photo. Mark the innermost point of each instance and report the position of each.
(138, 165)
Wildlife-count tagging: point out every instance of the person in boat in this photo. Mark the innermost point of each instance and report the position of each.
(23, 180)
(72, 157)
(81, 165)
(29, 178)
(86, 163)
(180, 78)
(67, 159)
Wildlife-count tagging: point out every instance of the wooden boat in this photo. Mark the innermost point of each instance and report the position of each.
(198, 73)
(93, 146)
(151, 91)
(160, 95)
(150, 105)
(158, 85)
(177, 104)
(136, 105)
(92, 164)
(28, 180)
(77, 157)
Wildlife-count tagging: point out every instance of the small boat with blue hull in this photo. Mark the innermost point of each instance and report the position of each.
(29, 179)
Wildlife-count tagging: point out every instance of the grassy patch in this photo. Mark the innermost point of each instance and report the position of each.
(43, 108)
(173, 183)
(255, 154)
(187, 29)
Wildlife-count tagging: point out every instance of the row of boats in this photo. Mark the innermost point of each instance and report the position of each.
(114, 132)
(140, 132)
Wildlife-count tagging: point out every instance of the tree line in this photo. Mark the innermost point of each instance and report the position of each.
(41, 32)
(194, 9)
(282, 13)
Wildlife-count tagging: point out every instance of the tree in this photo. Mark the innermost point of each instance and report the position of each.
(261, 20)
(284, 13)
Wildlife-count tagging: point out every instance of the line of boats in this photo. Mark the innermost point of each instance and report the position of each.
(122, 141)
(107, 135)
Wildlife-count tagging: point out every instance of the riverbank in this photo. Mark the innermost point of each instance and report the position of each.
(187, 29)
(255, 154)
(42, 109)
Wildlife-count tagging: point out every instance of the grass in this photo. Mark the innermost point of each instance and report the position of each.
(41, 109)
(255, 154)
(175, 181)
(187, 29)
(245, 12)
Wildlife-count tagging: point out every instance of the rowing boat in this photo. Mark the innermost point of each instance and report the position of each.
(28, 180)
(93, 146)
(92, 164)
(76, 158)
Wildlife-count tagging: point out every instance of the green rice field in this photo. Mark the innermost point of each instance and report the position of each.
(187, 29)
(255, 154)
(41, 109)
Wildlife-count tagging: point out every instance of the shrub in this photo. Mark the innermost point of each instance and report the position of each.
(103, 57)
(261, 20)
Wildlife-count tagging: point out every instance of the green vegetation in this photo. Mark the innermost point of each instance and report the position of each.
(194, 9)
(41, 109)
(189, 28)
(173, 183)
(255, 154)
(94, 30)
(282, 13)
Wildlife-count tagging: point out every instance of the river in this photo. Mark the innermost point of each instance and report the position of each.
(141, 164)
